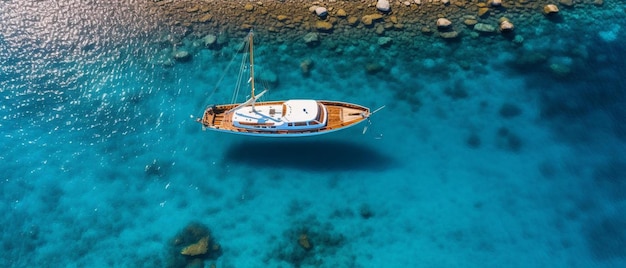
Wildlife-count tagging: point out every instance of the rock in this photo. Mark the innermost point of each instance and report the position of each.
(418, 2)
(341, 13)
(560, 69)
(449, 35)
(445, 2)
(496, 3)
(426, 30)
(323, 26)
(384, 41)
(598, 2)
(282, 17)
(470, 22)
(222, 39)
(306, 66)
(550, 9)
(206, 18)
(248, 7)
(353, 21)
(484, 28)
(483, 12)
(321, 12)
(311, 39)
(406, 3)
(373, 68)
(209, 40)
(181, 55)
(383, 5)
(303, 241)
(506, 26)
(567, 3)
(380, 29)
(199, 248)
(443, 23)
(393, 19)
(368, 20)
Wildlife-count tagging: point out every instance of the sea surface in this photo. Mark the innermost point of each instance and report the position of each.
(491, 151)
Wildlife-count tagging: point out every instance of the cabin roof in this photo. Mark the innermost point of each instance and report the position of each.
(300, 110)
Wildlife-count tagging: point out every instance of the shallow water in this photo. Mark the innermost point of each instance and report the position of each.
(488, 153)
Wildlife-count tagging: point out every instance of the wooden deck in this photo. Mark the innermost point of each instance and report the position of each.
(340, 115)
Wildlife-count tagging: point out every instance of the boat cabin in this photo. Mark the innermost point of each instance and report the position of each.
(287, 115)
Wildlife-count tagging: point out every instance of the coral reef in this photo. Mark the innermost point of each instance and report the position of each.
(311, 243)
(199, 248)
(192, 246)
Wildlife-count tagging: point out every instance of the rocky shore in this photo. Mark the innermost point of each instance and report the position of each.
(345, 20)
(491, 25)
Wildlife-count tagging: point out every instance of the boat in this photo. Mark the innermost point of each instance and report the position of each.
(287, 118)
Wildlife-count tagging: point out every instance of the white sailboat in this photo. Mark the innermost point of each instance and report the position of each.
(288, 118)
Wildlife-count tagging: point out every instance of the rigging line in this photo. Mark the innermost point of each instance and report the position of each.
(242, 67)
(219, 81)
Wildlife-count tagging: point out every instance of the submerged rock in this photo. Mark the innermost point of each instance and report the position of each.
(449, 35)
(550, 9)
(209, 40)
(483, 12)
(181, 55)
(306, 66)
(506, 26)
(484, 28)
(311, 39)
(384, 41)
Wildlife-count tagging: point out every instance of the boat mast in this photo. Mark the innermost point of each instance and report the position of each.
(250, 40)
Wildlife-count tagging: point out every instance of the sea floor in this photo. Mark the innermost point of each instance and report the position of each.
(479, 158)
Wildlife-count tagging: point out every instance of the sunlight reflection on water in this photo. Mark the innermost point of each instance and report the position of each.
(64, 62)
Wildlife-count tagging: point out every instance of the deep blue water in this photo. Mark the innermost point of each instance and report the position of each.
(488, 153)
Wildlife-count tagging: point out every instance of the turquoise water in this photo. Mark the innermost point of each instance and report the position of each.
(488, 153)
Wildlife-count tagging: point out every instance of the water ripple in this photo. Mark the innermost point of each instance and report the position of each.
(64, 62)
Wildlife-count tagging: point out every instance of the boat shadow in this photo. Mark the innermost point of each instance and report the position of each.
(317, 156)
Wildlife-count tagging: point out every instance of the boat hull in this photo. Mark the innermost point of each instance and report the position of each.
(339, 115)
